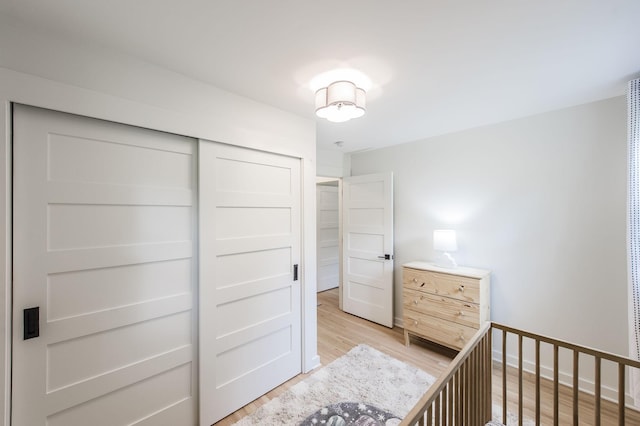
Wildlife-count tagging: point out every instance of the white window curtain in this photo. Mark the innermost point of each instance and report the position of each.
(633, 112)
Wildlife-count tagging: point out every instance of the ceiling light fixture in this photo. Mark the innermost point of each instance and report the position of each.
(340, 101)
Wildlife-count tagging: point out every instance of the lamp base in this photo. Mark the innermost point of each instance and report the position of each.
(446, 261)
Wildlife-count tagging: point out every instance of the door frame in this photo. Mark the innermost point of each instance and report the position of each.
(320, 180)
(232, 125)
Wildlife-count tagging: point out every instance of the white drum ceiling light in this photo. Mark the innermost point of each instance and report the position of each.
(340, 101)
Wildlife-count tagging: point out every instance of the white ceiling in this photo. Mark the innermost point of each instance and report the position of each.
(436, 66)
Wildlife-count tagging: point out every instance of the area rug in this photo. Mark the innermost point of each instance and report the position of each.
(363, 387)
(512, 418)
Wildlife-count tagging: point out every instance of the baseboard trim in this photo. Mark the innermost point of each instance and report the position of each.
(398, 322)
(315, 363)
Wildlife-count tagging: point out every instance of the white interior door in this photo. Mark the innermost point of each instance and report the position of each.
(250, 299)
(368, 247)
(328, 235)
(103, 245)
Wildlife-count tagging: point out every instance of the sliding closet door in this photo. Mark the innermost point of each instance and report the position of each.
(103, 247)
(250, 299)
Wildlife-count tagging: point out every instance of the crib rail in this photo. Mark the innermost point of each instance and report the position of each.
(571, 404)
(462, 394)
(466, 392)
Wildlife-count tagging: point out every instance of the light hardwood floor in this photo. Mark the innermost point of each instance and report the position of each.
(586, 404)
(338, 332)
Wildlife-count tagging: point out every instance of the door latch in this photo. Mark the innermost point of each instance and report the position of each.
(385, 257)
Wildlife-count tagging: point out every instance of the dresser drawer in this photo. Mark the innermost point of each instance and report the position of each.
(448, 308)
(447, 333)
(457, 287)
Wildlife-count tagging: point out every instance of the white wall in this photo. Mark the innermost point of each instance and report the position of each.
(540, 201)
(330, 163)
(38, 70)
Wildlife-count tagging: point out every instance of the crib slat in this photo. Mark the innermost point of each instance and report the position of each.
(504, 376)
(429, 415)
(474, 375)
(458, 399)
(537, 381)
(463, 395)
(575, 386)
(489, 378)
(470, 394)
(482, 376)
(598, 362)
(520, 356)
(621, 386)
(474, 401)
(444, 409)
(450, 392)
(481, 381)
(467, 393)
(555, 384)
(476, 384)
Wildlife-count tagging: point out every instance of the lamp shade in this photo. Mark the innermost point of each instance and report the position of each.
(445, 240)
(340, 101)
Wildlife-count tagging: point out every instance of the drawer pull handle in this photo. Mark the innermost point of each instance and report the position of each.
(461, 338)
(415, 322)
(422, 285)
(461, 313)
(415, 280)
(415, 301)
(461, 288)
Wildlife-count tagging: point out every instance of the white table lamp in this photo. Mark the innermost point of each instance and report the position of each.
(444, 240)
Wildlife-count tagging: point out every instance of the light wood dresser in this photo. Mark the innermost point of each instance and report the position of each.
(443, 305)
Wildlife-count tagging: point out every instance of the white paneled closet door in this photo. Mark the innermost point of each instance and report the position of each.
(250, 295)
(103, 245)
